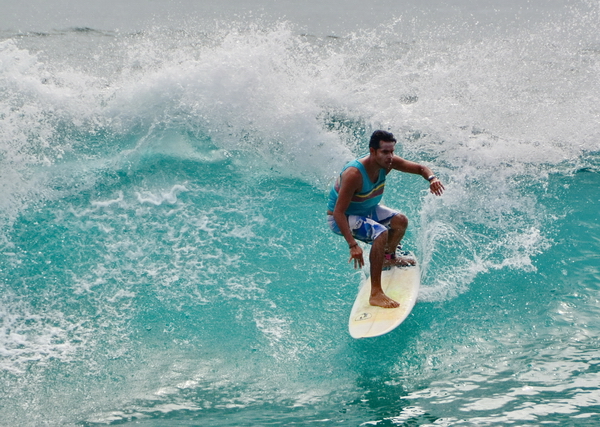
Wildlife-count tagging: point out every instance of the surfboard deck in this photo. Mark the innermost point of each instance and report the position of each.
(399, 283)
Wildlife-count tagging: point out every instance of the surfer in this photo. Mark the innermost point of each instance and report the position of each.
(354, 209)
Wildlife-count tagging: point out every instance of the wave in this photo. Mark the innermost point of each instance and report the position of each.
(492, 116)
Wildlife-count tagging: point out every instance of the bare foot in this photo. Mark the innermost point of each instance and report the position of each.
(382, 300)
(399, 261)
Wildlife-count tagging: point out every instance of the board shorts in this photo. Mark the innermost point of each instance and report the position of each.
(366, 228)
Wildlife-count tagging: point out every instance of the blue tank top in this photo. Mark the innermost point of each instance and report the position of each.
(370, 195)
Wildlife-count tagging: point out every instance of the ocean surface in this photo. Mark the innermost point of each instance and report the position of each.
(164, 254)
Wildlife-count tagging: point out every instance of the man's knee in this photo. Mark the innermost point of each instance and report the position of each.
(399, 222)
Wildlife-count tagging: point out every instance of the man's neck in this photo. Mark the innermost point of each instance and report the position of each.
(371, 167)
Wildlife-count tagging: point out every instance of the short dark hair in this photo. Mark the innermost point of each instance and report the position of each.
(378, 136)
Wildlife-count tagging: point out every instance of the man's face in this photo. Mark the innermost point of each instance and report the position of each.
(385, 153)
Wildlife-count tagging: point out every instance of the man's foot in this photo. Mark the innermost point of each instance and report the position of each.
(382, 300)
(398, 261)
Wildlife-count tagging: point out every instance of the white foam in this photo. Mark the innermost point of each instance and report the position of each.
(169, 197)
(28, 336)
(107, 203)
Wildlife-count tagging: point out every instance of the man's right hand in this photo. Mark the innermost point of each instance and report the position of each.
(356, 254)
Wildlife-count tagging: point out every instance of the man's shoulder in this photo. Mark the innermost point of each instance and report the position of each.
(352, 170)
(352, 177)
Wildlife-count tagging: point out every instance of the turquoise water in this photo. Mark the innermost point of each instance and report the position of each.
(164, 254)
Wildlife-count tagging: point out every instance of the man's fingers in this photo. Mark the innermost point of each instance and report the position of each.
(437, 188)
(359, 262)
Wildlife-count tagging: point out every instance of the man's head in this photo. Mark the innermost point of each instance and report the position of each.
(379, 136)
(381, 148)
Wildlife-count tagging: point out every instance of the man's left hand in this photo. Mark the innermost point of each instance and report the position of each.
(436, 187)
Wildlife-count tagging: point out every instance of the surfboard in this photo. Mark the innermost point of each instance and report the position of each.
(399, 283)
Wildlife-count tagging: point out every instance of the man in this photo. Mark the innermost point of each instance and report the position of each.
(355, 213)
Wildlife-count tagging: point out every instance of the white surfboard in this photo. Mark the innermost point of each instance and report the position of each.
(399, 283)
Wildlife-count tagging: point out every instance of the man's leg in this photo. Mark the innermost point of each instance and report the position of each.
(376, 257)
(398, 225)
(366, 230)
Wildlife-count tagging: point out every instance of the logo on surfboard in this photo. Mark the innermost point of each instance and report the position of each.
(363, 316)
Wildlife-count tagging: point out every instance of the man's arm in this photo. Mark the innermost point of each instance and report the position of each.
(350, 183)
(435, 185)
